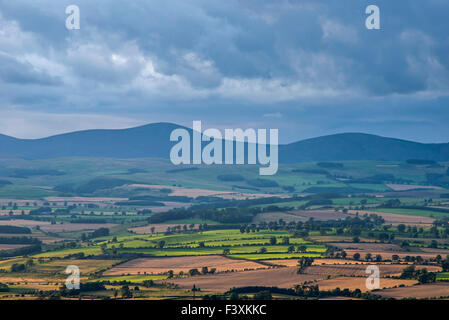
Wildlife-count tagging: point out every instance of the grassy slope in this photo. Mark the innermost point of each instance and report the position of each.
(79, 170)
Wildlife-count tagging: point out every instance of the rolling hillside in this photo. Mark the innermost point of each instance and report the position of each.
(360, 146)
(152, 140)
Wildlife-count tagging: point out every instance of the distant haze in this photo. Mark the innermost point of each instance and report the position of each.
(306, 67)
(152, 140)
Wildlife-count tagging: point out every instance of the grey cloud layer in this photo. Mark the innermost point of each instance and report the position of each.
(239, 62)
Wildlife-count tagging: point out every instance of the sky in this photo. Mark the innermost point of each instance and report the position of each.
(306, 67)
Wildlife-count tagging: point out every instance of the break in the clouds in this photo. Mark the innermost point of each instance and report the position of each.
(308, 68)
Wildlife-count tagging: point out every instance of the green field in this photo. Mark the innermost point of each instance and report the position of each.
(443, 276)
(130, 278)
(251, 232)
(157, 171)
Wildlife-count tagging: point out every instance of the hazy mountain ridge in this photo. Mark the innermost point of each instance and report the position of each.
(361, 146)
(153, 140)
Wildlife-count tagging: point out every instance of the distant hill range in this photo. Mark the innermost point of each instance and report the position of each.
(152, 140)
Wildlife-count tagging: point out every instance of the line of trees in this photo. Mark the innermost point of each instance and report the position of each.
(21, 251)
(14, 230)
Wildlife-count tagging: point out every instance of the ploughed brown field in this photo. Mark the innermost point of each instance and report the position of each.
(168, 205)
(334, 238)
(395, 219)
(422, 291)
(243, 195)
(388, 250)
(31, 224)
(85, 266)
(347, 267)
(322, 215)
(275, 216)
(405, 187)
(354, 270)
(14, 212)
(340, 267)
(389, 254)
(435, 251)
(317, 262)
(157, 228)
(38, 235)
(279, 277)
(425, 241)
(21, 202)
(184, 264)
(181, 191)
(340, 298)
(368, 246)
(353, 283)
(36, 282)
(84, 199)
(23, 223)
(197, 192)
(11, 246)
(75, 227)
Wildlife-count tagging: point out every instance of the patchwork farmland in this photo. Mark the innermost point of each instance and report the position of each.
(205, 236)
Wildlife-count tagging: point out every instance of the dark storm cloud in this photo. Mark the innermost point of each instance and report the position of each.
(306, 66)
(13, 71)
